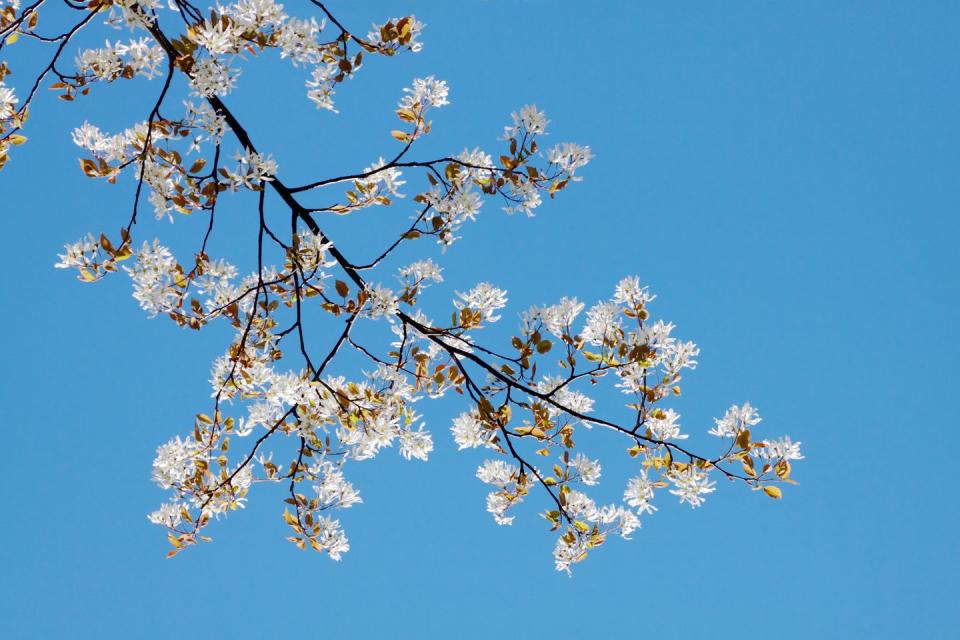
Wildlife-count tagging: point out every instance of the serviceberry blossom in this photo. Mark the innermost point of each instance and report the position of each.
(780, 449)
(629, 292)
(168, 515)
(603, 323)
(8, 101)
(136, 57)
(639, 493)
(298, 41)
(528, 120)
(663, 425)
(382, 302)
(691, 485)
(78, 254)
(558, 318)
(484, 298)
(153, 276)
(382, 179)
(735, 420)
(416, 444)
(588, 469)
(218, 36)
(256, 14)
(421, 271)
(174, 462)
(211, 77)
(469, 432)
(424, 93)
(569, 157)
(320, 86)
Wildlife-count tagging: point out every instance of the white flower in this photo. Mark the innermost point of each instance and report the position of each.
(558, 318)
(497, 472)
(469, 432)
(484, 298)
(691, 485)
(529, 119)
(298, 40)
(422, 270)
(424, 93)
(382, 302)
(331, 537)
(566, 553)
(497, 505)
(782, 448)
(630, 292)
(387, 178)
(735, 420)
(8, 101)
(321, 85)
(210, 77)
(603, 324)
(168, 515)
(415, 444)
(663, 425)
(219, 36)
(78, 254)
(639, 493)
(174, 462)
(569, 156)
(588, 469)
(256, 14)
(333, 490)
(152, 275)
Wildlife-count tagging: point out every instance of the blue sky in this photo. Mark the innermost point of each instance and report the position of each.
(783, 175)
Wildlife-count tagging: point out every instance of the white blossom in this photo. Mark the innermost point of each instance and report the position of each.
(484, 298)
(735, 420)
(424, 93)
(692, 485)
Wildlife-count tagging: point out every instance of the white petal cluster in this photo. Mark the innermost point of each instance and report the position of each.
(212, 77)
(174, 462)
(153, 276)
(691, 485)
(603, 324)
(569, 157)
(256, 14)
(639, 493)
(587, 468)
(663, 425)
(8, 101)
(425, 93)
(382, 180)
(780, 449)
(382, 302)
(735, 420)
(505, 477)
(528, 120)
(484, 298)
(218, 36)
(320, 86)
(135, 57)
(333, 490)
(630, 292)
(298, 41)
(421, 271)
(469, 432)
(78, 254)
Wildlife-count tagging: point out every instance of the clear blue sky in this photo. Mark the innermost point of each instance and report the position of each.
(784, 175)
